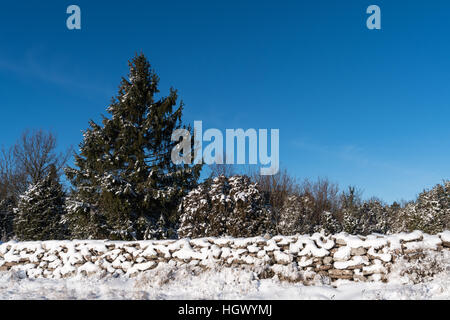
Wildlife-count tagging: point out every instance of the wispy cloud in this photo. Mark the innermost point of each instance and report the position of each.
(356, 155)
(39, 64)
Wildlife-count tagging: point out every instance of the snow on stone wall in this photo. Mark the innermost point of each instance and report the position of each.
(293, 258)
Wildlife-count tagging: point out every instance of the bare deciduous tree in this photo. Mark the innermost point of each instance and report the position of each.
(35, 153)
(12, 181)
(277, 188)
(29, 161)
(325, 195)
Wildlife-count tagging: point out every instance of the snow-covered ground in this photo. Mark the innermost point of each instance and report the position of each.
(180, 283)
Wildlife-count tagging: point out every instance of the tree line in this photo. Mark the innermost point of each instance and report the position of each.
(124, 186)
(251, 205)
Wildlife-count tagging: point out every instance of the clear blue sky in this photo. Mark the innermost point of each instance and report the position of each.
(361, 107)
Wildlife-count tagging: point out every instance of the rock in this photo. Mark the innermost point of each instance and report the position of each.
(358, 251)
(340, 274)
(377, 267)
(252, 249)
(412, 236)
(304, 262)
(342, 254)
(282, 258)
(359, 266)
(333, 251)
(145, 266)
(324, 267)
(150, 253)
(4, 268)
(10, 264)
(386, 257)
(328, 260)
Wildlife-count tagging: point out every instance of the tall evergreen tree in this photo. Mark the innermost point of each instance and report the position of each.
(40, 210)
(125, 182)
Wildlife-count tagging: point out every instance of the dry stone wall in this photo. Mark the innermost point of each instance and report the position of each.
(293, 258)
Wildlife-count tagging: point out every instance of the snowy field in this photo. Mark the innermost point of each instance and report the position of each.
(169, 283)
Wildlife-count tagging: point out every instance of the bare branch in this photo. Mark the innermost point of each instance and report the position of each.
(35, 153)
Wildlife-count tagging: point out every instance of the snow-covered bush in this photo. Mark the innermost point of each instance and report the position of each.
(349, 221)
(431, 212)
(328, 224)
(373, 217)
(225, 207)
(296, 215)
(369, 217)
(420, 266)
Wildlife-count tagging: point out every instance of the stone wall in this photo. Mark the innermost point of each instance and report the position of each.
(293, 258)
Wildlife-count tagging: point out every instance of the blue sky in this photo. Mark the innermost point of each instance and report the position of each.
(362, 107)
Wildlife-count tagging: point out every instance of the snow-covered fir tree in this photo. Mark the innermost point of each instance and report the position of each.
(430, 212)
(124, 177)
(373, 217)
(350, 204)
(328, 224)
(251, 210)
(350, 221)
(196, 216)
(40, 211)
(83, 220)
(160, 230)
(296, 215)
(225, 206)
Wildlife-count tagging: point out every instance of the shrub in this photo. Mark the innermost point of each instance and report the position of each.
(225, 207)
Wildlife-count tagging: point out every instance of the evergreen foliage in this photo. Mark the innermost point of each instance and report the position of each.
(431, 211)
(40, 211)
(328, 224)
(296, 215)
(225, 206)
(373, 217)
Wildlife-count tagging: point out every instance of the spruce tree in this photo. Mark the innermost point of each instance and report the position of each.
(125, 182)
(40, 211)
